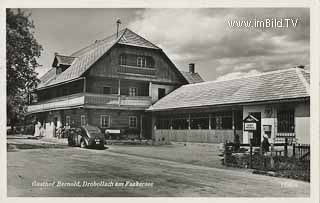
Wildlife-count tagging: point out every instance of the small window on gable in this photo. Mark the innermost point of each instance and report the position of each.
(123, 60)
(141, 61)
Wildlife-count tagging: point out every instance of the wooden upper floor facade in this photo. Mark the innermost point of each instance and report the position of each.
(123, 75)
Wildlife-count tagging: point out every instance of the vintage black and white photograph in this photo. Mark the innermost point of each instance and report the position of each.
(158, 102)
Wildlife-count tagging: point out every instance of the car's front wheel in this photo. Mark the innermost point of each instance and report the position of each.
(83, 144)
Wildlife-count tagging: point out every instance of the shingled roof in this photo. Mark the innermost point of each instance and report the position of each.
(285, 84)
(84, 58)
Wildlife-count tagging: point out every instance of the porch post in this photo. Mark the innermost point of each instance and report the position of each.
(84, 85)
(209, 121)
(150, 89)
(119, 92)
(140, 126)
(233, 125)
(154, 127)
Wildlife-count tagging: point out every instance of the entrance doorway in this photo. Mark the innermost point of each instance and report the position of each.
(146, 127)
(256, 140)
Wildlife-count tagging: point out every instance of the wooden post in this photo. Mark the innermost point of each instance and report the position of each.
(293, 150)
(153, 124)
(150, 89)
(225, 153)
(140, 127)
(233, 127)
(209, 121)
(250, 152)
(84, 85)
(271, 157)
(119, 92)
(286, 147)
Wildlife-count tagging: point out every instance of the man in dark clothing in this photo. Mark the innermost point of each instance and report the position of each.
(265, 144)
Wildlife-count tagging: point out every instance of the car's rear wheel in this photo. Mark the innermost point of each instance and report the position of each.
(83, 144)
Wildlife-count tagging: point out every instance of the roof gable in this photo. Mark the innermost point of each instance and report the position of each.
(131, 38)
(84, 58)
(276, 85)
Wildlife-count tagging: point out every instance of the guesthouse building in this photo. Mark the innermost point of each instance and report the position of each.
(108, 84)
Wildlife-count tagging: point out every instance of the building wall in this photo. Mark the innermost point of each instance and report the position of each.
(154, 90)
(266, 119)
(302, 121)
(107, 66)
(201, 136)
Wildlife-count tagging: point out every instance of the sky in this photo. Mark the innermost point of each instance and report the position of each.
(200, 36)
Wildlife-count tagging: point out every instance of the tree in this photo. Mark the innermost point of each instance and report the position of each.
(22, 53)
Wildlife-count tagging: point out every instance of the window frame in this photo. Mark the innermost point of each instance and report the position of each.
(123, 60)
(68, 118)
(290, 116)
(142, 62)
(101, 121)
(135, 92)
(106, 86)
(83, 117)
(136, 121)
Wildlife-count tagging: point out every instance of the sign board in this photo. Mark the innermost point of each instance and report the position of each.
(250, 126)
(267, 128)
(250, 123)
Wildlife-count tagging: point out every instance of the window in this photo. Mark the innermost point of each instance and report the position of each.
(106, 90)
(199, 123)
(132, 91)
(180, 122)
(163, 123)
(133, 122)
(83, 120)
(123, 60)
(105, 121)
(161, 92)
(68, 120)
(141, 61)
(285, 120)
(221, 120)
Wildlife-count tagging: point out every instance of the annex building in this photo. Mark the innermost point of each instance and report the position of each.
(274, 103)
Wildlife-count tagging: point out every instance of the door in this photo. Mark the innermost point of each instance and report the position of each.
(146, 127)
(256, 141)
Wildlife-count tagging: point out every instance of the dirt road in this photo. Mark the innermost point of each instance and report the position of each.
(84, 172)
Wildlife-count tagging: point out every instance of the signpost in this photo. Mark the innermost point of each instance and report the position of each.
(250, 125)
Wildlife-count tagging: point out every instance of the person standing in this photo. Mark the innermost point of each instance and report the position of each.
(37, 129)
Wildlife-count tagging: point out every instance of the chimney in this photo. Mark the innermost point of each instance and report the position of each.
(300, 66)
(191, 68)
(118, 24)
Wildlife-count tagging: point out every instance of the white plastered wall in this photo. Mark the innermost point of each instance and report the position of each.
(154, 90)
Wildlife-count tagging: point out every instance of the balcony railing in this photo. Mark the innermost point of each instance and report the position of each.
(99, 100)
(135, 70)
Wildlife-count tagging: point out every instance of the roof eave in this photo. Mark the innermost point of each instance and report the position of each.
(233, 104)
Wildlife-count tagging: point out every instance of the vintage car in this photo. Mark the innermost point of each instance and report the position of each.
(86, 137)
